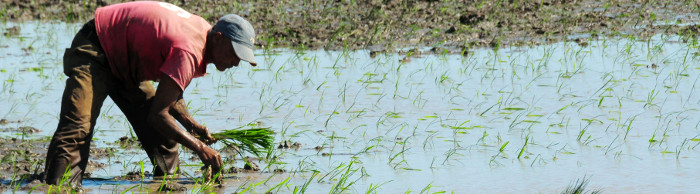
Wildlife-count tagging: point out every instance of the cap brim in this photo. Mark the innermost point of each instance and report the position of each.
(244, 53)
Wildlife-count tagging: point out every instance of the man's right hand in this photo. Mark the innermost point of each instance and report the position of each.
(212, 164)
(166, 98)
(210, 157)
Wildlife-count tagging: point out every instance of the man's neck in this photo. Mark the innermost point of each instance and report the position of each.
(207, 48)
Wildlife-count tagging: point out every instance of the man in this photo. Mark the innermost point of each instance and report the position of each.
(118, 54)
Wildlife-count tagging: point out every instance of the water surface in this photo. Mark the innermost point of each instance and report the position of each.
(618, 111)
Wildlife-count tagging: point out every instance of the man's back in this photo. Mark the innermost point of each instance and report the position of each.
(143, 40)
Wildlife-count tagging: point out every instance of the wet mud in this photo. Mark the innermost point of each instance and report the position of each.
(22, 158)
(23, 161)
(392, 24)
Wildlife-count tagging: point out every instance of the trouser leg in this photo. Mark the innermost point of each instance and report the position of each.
(88, 75)
(136, 104)
(83, 96)
(69, 149)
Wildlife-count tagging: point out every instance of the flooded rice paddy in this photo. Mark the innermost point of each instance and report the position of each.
(616, 110)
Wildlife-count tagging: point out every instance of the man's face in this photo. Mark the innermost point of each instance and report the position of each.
(224, 57)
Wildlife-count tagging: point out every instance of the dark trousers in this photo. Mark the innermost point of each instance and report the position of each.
(89, 82)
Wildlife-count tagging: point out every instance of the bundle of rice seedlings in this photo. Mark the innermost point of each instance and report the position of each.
(254, 140)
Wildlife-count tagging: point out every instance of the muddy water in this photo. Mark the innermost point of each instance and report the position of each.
(522, 119)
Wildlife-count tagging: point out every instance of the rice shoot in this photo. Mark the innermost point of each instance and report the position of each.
(254, 140)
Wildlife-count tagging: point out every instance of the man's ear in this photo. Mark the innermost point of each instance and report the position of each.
(218, 35)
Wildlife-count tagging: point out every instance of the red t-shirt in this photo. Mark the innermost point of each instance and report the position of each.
(145, 40)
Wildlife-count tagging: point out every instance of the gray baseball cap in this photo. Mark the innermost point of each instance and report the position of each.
(241, 34)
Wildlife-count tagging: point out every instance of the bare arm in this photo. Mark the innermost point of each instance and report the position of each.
(180, 113)
(159, 117)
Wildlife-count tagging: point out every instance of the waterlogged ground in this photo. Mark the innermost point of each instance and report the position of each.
(392, 24)
(616, 110)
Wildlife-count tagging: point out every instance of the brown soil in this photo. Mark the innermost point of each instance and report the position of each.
(21, 159)
(390, 24)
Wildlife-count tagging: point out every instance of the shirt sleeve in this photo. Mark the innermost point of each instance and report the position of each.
(180, 66)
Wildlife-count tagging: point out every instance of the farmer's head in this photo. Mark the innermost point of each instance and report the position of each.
(233, 38)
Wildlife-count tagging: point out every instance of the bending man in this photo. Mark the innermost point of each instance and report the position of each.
(118, 54)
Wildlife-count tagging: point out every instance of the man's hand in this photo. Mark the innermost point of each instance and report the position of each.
(179, 111)
(210, 157)
(204, 135)
(167, 95)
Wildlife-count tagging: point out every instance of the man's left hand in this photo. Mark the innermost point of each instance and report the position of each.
(204, 135)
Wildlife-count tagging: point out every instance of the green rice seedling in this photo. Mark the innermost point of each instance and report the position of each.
(579, 187)
(165, 182)
(541, 160)
(255, 140)
(493, 162)
(650, 97)
(373, 188)
(196, 187)
(251, 187)
(303, 187)
(8, 84)
(208, 181)
(279, 185)
(367, 149)
(335, 112)
(61, 186)
(11, 157)
(427, 188)
(430, 136)
(503, 146)
(522, 150)
(449, 154)
(143, 175)
(36, 186)
(652, 140)
(343, 182)
(127, 190)
(400, 153)
(680, 147)
(304, 166)
(610, 146)
(629, 126)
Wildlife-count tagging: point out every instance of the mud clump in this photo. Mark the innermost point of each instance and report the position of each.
(127, 142)
(172, 186)
(251, 166)
(11, 31)
(289, 144)
(248, 167)
(21, 155)
(393, 24)
(279, 170)
(471, 18)
(4, 122)
(27, 129)
(132, 176)
(23, 130)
